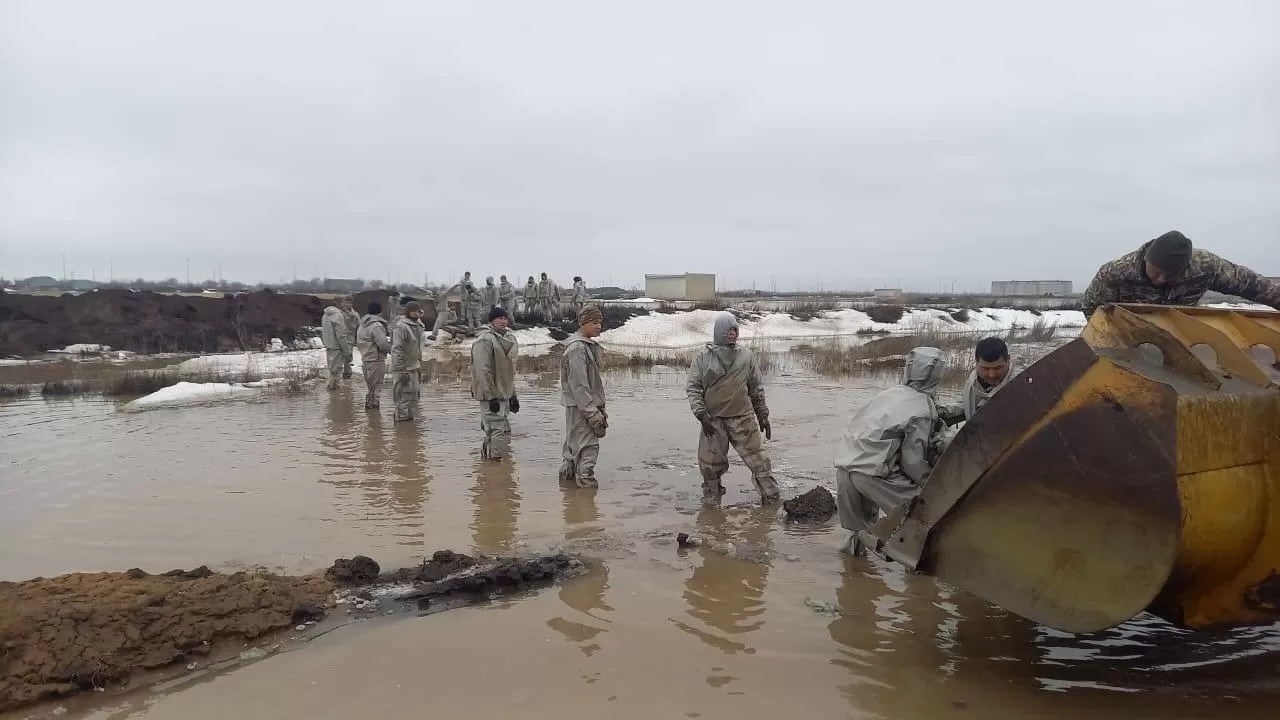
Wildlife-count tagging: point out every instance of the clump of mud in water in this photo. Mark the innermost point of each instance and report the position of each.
(815, 506)
(84, 630)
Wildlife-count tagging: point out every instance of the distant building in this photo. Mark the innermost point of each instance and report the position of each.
(689, 286)
(888, 295)
(82, 285)
(40, 282)
(341, 285)
(1031, 288)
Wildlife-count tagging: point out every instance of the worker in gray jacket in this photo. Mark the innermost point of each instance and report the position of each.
(338, 334)
(507, 297)
(582, 394)
(726, 395)
(549, 299)
(579, 296)
(406, 360)
(489, 295)
(493, 383)
(374, 344)
(471, 301)
(886, 453)
(531, 296)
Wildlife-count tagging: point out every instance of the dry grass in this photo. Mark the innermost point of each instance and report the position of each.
(810, 309)
(885, 313)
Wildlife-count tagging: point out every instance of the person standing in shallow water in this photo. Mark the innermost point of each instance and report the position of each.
(493, 383)
(406, 360)
(374, 343)
(726, 395)
(582, 394)
(338, 334)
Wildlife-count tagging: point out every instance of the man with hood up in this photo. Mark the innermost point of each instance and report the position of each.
(884, 457)
(406, 360)
(582, 394)
(374, 344)
(531, 301)
(470, 301)
(579, 296)
(338, 334)
(726, 395)
(493, 383)
(507, 297)
(489, 295)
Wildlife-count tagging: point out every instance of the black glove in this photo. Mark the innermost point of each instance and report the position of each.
(708, 428)
(514, 404)
(494, 406)
(765, 427)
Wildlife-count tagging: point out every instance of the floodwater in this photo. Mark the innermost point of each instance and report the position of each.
(293, 482)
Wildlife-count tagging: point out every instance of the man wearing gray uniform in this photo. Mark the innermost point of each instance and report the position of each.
(338, 334)
(406, 360)
(531, 302)
(489, 295)
(507, 297)
(549, 298)
(726, 395)
(493, 383)
(582, 394)
(887, 451)
(373, 343)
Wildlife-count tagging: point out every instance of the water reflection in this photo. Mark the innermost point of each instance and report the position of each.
(726, 591)
(585, 594)
(495, 498)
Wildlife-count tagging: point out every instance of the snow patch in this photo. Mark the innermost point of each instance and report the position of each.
(185, 394)
(83, 349)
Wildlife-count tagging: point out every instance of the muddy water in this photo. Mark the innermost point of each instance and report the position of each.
(292, 482)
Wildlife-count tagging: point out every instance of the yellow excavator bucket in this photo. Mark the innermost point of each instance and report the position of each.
(1135, 468)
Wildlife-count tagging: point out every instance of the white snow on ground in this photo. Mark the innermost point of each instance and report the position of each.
(1241, 306)
(186, 394)
(528, 338)
(688, 329)
(260, 364)
(82, 348)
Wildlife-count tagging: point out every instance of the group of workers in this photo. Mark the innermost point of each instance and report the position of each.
(890, 444)
(542, 298)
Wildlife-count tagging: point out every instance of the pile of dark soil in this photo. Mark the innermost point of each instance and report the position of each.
(147, 322)
(815, 506)
(85, 630)
(448, 574)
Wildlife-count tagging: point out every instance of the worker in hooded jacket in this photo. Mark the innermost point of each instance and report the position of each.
(406, 360)
(582, 394)
(726, 395)
(493, 383)
(507, 297)
(887, 450)
(374, 344)
(338, 334)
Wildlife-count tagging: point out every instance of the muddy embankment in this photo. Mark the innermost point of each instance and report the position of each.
(147, 322)
(93, 631)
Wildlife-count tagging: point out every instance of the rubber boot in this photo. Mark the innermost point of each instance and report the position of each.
(768, 488)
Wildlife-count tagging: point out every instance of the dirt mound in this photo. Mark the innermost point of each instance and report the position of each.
(84, 630)
(495, 576)
(815, 506)
(147, 322)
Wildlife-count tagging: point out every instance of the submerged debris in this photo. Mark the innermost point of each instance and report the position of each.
(815, 506)
(486, 577)
(359, 570)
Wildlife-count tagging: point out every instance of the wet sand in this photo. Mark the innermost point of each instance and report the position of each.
(292, 482)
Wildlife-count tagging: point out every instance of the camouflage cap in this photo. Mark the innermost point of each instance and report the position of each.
(590, 313)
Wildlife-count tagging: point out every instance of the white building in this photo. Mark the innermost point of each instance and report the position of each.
(689, 286)
(1031, 288)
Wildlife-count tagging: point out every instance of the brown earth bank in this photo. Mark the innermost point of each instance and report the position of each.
(147, 322)
(84, 631)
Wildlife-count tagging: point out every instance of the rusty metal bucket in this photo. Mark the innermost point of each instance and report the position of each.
(1136, 468)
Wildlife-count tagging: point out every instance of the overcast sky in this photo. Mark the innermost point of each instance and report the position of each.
(837, 143)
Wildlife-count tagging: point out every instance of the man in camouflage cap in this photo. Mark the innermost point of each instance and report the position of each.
(582, 394)
(1169, 271)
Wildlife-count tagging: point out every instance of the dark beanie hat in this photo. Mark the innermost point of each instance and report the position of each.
(1171, 251)
(496, 313)
(412, 307)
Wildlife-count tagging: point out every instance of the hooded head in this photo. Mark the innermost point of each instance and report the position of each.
(488, 280)
(725, 322)
(925, 366)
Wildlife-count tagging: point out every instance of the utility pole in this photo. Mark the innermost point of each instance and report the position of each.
(111, 270)
(64, 267)
(188, 271)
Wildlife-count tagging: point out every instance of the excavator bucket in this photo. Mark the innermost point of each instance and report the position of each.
(1135, 468)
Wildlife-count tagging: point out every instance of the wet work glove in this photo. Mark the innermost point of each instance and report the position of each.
(708, 428)
(598, 424)
(494, 406)
(514, 404)
(765, 427)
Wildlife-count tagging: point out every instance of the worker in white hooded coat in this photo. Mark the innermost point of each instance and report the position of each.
(887, 450)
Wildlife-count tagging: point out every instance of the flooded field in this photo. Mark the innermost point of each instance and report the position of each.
(784, 624)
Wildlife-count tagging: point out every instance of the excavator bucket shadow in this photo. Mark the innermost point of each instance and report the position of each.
(1135, 468)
